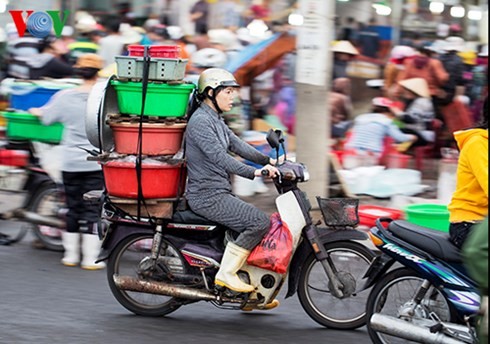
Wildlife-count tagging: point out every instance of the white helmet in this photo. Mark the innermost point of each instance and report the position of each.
(175, 32)
(208, 58)
(215, 77)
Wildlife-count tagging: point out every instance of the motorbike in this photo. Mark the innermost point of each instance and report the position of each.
(43, 206)
(155, 267)
(427, 297)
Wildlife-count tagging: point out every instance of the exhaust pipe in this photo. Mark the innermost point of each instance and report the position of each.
(35, 218)
(134, 284)
(407, 330)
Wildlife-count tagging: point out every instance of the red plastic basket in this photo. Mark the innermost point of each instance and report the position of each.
(166, 51)
(162, 51)
(10, 157)
(158, 139)
(369, 213)
(157, 180)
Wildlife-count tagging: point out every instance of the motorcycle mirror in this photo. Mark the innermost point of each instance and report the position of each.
(273, 138)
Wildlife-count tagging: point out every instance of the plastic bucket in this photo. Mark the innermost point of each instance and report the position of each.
(368, 214)
(31, 96)
(11, 157)
(167, 51)
(162, 100)
(24, 126)
(157, 180)
(157, 139)
(435, 216)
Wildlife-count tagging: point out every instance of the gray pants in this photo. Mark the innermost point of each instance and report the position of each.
(230, 211)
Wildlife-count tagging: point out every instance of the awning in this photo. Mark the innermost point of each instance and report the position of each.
(255, 59)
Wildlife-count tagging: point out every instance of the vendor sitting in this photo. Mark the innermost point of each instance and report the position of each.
(418, 116)
(368, 134)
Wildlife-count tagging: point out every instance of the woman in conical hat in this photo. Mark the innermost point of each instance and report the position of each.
(344, 52)
(418, 114)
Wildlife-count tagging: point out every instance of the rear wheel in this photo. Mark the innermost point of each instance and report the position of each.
(350, 261)
(131, 258)
(13, 232)
(393, 295)
(48, 201)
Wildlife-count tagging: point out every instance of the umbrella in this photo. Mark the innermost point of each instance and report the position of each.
(256, 58)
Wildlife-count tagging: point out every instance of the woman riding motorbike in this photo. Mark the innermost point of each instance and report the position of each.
(209, 166)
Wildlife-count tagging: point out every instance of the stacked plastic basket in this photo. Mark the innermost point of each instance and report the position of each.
(23, 95)
(147, 139)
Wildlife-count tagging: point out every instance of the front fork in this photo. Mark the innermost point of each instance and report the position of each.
(322, 255)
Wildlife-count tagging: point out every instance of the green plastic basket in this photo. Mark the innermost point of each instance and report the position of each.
(435, 216)
(24, 126)
(162, 100)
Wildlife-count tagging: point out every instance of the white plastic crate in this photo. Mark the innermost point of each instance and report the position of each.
(161, 69)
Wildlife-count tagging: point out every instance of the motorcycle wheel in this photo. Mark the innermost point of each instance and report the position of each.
(128, 259)
(48, 201)
(393, 292)
(351, 260)
(10, 234)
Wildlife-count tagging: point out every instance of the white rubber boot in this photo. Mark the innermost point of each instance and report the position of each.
(71, 244)
(90, 252)
(232, 261)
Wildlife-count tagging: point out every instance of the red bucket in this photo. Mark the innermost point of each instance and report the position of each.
(165, 51)
(369, 213)
(136, 50)
(157, 139)
(161, 51)
(157, 180)
(11, 157)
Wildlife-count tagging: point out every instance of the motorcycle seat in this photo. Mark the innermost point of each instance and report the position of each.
(429, 240)
(190, 217)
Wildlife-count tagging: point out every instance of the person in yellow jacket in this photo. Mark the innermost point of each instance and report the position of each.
(469, 204)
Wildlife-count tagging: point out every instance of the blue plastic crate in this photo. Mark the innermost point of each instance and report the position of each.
(28, 97)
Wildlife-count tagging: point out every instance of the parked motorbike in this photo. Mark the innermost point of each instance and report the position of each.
(155, 267)
(43, 205)
(429, 298)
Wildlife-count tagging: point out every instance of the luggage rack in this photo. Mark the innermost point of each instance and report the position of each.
(159, 208)
(117, 118)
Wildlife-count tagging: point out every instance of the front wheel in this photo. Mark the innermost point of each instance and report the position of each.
(393, 295)
(48, 201)
(350, 261)
(131, 257)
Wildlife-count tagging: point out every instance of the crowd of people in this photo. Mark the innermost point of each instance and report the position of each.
(430, 85)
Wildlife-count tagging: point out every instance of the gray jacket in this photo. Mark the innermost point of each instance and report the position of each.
(209, 164)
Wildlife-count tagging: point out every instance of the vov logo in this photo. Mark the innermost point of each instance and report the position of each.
(39, 24)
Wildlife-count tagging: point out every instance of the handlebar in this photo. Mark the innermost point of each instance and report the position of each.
(289, 171)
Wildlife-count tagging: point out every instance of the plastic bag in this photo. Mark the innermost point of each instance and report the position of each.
(276, 248)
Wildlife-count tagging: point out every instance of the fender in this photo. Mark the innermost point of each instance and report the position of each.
(115, 235)
(377, 269)
(304, 250)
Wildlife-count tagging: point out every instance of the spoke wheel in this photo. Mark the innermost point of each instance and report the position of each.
(130, 258)
(48, 201)
(351, 260)
(393, 294)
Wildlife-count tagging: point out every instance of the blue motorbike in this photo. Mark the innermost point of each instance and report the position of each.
(427, 296)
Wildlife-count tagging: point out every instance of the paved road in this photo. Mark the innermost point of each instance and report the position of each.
(42, 301)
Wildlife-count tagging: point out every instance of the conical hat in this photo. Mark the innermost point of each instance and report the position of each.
(417, 85)
(345, 47)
